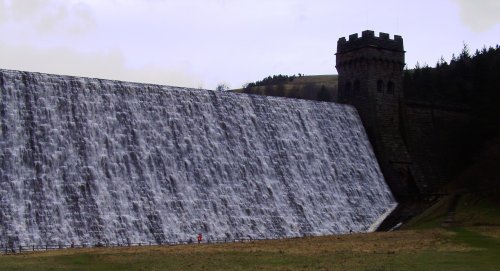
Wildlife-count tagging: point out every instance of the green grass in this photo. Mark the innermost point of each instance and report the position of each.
(430, 249)
(481, 253)
(432, 217)
(471, 210)
(304, 87)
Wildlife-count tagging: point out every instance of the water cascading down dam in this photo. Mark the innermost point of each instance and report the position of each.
(88, 160)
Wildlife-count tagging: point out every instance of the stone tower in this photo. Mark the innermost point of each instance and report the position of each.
(370, 72)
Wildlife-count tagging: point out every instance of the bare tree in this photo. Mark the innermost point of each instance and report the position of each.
(222, 87)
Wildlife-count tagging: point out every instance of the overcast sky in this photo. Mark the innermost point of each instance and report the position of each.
(200, 43)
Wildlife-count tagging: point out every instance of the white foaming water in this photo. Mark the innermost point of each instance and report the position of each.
(87, 160)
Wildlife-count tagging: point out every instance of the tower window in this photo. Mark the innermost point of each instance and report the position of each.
(380, 85)
(356, 87)
(348, 89)
(390, 87)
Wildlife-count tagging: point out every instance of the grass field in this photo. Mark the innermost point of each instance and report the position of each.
(304, 87)
(471, 248)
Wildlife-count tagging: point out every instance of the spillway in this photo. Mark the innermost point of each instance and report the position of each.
(88, 160)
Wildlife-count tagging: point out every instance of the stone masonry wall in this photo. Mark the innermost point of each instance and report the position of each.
(430, 133)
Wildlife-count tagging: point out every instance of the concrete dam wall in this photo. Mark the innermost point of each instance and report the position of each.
(88, 160)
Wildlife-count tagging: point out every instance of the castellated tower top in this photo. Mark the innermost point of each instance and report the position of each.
(368, 39)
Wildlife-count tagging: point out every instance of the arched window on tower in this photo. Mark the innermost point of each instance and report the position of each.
(390, 87)
(356, 87)
(348, 89)
(380, 85)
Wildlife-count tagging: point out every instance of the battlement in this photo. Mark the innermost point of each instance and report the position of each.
(368, 39)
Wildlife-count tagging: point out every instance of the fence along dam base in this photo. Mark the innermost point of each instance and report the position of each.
(98, 161)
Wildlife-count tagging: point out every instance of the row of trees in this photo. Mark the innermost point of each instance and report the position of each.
(466, 77)
(271, 80)
(268, 81)
(472, 80)
(299, 91)
(284, 86)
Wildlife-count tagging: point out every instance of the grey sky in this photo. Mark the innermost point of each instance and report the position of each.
(199, 43)
(480, 15)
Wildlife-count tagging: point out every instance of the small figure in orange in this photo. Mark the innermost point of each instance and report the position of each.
(200, 237)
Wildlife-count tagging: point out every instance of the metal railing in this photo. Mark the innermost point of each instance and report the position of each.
(16, 249)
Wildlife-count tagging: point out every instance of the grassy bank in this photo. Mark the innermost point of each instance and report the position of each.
(304, 87)
(471, 248)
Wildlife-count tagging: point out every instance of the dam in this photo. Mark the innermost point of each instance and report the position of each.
(88, 160)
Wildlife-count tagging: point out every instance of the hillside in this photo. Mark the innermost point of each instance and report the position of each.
(311, 87)
(472, 197)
